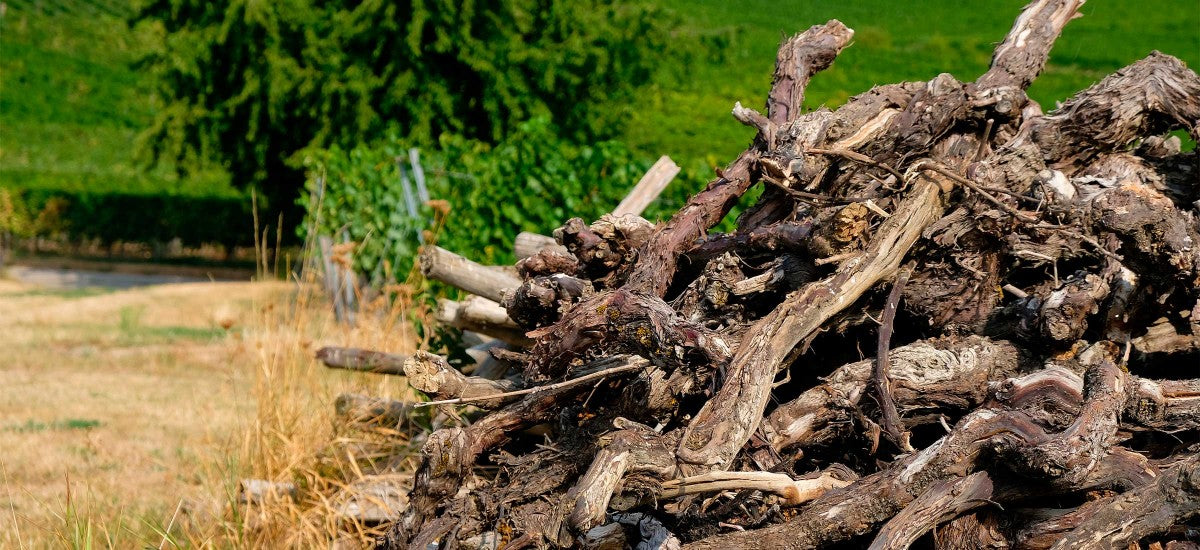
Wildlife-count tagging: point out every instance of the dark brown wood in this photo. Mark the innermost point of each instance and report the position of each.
(799, 59)
(1065, 457)
(1048, 327)
(1018, 60)
(1149, 97)
(1172, 499)
(725, 422)
(361, 360)
(943, 501)
(881, 377)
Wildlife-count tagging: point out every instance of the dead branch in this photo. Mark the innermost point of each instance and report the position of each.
(432, 375)
(361, 360)
(442, 265)
(1151, 509)
(669, 384)
(478, 314)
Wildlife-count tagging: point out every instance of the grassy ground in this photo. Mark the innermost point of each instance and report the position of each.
(126, 418)
(72, 103)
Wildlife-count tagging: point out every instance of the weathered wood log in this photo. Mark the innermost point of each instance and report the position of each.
(1052, 387)
(435, 377)
(361, 360)
(944, 375)
(792, 492)
(799, 59)
(628, 322)
(1146, 98)
(527, 244)
(481, 315)
(725, 422)
(450, 452)
(634, 448)
(442, 265)
(648, 188)
(1018, 60)
(1170, 500)
(1065, 457)
(943, 501)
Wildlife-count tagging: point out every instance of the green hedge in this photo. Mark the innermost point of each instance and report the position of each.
(113, 216)
(532, 181)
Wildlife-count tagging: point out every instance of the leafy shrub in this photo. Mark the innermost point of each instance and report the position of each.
(532, 181)
(115, 216)
(249, 84)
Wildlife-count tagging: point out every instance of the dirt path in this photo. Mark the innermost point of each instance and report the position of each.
(49, 277)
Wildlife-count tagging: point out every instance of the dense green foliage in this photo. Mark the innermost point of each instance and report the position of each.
(249, 84)
(71, 101)
(117, 216)
(531, 181)
(70, 106)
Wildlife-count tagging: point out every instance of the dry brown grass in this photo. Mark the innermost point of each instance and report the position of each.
(127, 418)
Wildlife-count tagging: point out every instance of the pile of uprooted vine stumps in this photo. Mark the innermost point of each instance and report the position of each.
(950, 318)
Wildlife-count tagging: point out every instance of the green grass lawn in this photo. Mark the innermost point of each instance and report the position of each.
(687, 115)
(72, 104)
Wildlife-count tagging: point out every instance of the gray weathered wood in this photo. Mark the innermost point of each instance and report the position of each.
(648, 188)
(481, 315)
(442, 265)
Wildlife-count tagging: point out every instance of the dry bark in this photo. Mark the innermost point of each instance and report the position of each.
(431, 374)
(1151, 509)
(442, 265)
(478, 314)
(361, 360)
(725, 422)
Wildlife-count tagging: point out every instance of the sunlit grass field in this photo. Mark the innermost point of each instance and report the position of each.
(127, 418)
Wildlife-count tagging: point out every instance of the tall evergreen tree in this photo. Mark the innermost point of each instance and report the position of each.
(249, 83)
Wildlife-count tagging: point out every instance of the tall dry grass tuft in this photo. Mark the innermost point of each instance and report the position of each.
(128, 418)
(294, 437)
